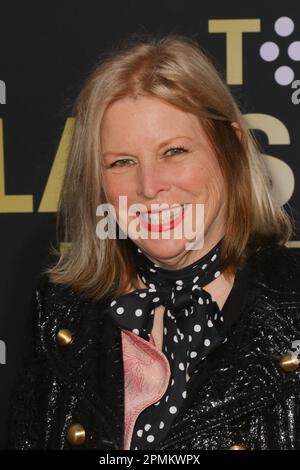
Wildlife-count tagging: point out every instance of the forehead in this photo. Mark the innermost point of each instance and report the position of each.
(147, 119)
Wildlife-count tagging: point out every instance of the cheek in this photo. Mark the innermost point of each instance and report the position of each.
(204, 179)
(114, 187)
(194, 178)
(216, 193)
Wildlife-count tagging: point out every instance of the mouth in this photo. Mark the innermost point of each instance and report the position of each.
(161, 220)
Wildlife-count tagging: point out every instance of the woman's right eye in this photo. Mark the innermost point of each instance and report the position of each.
(122, 162)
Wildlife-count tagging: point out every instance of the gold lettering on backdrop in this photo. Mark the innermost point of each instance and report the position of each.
(276, 132)
(50, 198)
(11, 203)
(234, 30)
(280, 173)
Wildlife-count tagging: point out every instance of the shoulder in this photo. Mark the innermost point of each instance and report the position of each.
(49, 292)
(59, 301)
(61, 309)
(277, 267)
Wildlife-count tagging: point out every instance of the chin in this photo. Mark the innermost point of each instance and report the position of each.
(162, 250)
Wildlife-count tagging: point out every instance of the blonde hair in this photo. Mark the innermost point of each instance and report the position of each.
(172, 68)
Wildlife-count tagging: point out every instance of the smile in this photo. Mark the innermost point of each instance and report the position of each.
(161, 220)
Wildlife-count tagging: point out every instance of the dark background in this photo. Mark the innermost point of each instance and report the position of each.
(47, 50)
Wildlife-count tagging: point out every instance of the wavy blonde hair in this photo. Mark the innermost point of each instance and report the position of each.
(172, 68)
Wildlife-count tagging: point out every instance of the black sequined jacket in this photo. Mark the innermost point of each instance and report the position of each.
(242, 395)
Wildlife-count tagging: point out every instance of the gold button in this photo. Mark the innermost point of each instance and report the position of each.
(76, 435)
(64, 337)
(238, 447)
(289, 362)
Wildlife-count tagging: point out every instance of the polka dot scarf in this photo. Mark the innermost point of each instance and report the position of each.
(192, 329)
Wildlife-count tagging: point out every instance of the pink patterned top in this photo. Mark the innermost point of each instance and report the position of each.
(146, 375)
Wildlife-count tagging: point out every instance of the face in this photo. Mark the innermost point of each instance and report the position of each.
(156, 154)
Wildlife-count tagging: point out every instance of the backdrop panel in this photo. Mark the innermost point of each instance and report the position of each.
(48, 48)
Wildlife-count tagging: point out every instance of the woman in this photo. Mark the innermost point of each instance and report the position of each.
(150, 339)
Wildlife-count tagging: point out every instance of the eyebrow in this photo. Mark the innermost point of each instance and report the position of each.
(162, 144)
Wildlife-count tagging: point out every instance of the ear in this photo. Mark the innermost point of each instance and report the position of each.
(237, 130)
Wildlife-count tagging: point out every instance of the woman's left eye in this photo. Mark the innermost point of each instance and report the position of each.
(176, 150)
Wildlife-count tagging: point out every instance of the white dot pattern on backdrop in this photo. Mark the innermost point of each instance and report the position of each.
(192, 329)
(294, 50)
(284, 26)
(284, 75)
(269, 51)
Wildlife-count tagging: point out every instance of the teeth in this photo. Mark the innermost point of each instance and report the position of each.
(163, 217)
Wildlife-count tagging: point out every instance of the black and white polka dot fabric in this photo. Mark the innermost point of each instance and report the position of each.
(192, 329)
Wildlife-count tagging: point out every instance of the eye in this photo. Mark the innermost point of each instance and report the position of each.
(176, 150)
(121, 163)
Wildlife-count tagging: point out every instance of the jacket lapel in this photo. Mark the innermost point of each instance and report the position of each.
(111, 380)
(105, 384)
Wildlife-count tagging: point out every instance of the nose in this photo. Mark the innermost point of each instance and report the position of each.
(152, 180)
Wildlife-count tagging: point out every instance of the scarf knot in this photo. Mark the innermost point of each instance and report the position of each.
(192, 327)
